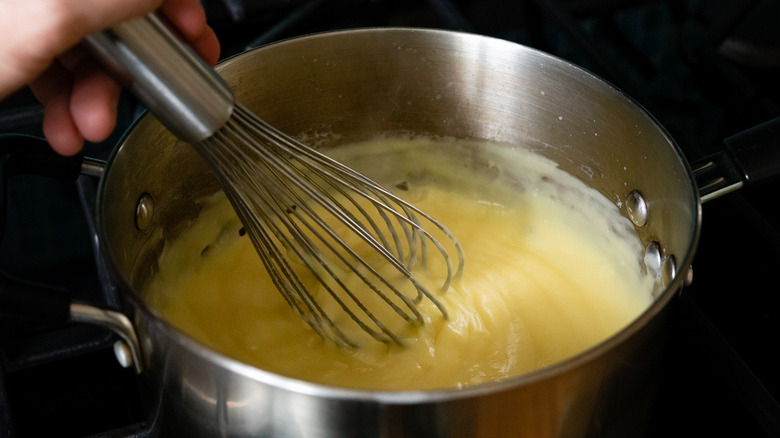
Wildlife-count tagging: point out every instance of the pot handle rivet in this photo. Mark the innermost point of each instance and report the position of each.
(669, 271)
(689, 276)
(637, 208)
(144, 211)
(653, 259)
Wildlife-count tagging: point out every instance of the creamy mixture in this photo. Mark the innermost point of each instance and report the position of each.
(551, 269)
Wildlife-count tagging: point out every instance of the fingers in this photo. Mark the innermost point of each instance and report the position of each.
(207, 46)
(59, 129)
(90, 16)
(80, 102)
(93, 103)
(189, 19)
(187, 16)
(34, 32)
(95, 95)
(79, 97)
(52, 88)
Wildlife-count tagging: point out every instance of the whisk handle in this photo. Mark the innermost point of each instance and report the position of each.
(182, 91)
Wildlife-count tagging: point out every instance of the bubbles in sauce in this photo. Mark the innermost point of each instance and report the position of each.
(552, 268)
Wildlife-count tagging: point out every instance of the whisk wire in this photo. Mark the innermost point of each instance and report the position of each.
(274, 181)
(323, 197)
(352, 179)
(301, 245)
(284, 277)
(336, 209)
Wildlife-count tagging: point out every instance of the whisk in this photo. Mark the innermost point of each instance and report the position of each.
(309, 217)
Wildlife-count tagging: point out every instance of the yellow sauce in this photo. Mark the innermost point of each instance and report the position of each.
(552, 268)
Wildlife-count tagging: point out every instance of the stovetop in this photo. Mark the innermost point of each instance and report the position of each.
(705, 69)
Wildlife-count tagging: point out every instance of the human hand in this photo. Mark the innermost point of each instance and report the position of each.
(40, 48)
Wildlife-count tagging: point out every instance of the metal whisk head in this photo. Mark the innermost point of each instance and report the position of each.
(306, 214)
(310, 217)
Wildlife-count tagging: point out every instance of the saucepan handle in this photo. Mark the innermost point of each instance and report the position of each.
(749, 157)
(27, 307)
